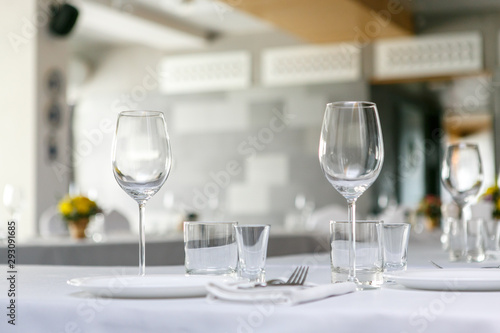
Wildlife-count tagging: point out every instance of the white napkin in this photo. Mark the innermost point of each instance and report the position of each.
(287, 295)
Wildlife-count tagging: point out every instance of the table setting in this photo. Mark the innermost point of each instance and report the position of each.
(375, 274)
(351, 155)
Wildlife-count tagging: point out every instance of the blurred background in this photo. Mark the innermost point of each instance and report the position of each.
(243, 85)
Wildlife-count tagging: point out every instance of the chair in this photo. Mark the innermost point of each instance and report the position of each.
(52, 223)
(115, 222)
(320, 218)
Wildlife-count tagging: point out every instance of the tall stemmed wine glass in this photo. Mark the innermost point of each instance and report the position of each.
(351, 154)
(141, 161)
(462, 176)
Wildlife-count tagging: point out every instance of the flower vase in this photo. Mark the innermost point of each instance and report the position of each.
(433, 223)
(77, 228)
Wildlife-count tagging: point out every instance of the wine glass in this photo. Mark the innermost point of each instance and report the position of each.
(13, 200)
(351, 154)
(462, 176)
(141, 161)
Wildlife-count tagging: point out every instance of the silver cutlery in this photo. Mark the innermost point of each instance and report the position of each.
(435, 265)
(297, 278)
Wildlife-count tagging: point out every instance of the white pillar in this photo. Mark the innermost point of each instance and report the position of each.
(28, 54)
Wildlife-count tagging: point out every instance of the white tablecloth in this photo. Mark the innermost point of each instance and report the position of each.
(45, 303)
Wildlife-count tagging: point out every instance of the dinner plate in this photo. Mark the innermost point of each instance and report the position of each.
(149, 286)
(448, 279)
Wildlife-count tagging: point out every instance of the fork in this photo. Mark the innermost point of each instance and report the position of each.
(297, 278)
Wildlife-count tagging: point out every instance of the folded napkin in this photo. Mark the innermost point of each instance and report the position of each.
(287, 295)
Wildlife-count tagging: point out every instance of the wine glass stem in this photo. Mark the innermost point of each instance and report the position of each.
(352, 240)
(142, 240)
(463, 227)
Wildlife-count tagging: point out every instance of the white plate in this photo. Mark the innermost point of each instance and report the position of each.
(449, 279)
(149, 286)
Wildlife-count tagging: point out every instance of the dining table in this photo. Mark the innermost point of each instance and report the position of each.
(45, 302)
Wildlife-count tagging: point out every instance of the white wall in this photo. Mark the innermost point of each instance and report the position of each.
(263, 189)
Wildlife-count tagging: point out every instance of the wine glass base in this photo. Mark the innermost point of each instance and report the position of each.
(364, 279)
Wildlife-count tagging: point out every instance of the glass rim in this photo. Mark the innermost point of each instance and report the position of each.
(209, 222)
(141, 113)
(350, 104)
(463, 145)
(252, 225)
(396, 223)
(357, 221)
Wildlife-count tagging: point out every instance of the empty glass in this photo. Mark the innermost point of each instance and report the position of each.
(141, 161)
(210, 248)
(252, 250)
(476, 237)
(462, 175)
(13, 200)
(369, 252)
(351, 154)
(395, 239)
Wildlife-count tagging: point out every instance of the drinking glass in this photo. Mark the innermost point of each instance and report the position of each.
(13, 200)
(210, 247)
(395, 238)
(351, 154)
(369, 253)
(462, 176)
(252, 250)
(141, 161)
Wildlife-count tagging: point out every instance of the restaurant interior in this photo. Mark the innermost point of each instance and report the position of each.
(117, 55)
(242, 86)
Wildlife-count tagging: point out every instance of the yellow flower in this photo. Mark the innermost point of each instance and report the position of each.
(491, 190)
(82, 205)
(74, 208)
(65, 207)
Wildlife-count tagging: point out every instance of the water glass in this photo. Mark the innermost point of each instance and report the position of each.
(369, 253)
(491, 231)
(467, 240)
(210, 248)
(395, 238)
(252, 250)
(477, 237)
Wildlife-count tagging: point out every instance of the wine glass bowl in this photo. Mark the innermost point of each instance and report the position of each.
(351, 154)
(351, 148)
(462, 172)
(141, 161)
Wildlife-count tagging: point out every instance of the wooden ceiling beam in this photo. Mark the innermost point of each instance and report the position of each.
(329, 21)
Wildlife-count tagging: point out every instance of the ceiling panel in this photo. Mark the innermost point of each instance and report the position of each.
(326, 21)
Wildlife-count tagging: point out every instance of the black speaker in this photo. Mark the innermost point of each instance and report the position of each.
(63, 19)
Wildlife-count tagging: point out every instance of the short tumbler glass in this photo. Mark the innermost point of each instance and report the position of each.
(252, 250)
(395, 239)
(369, 255)
(477, 237)
(210, 248)
(467, 239)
